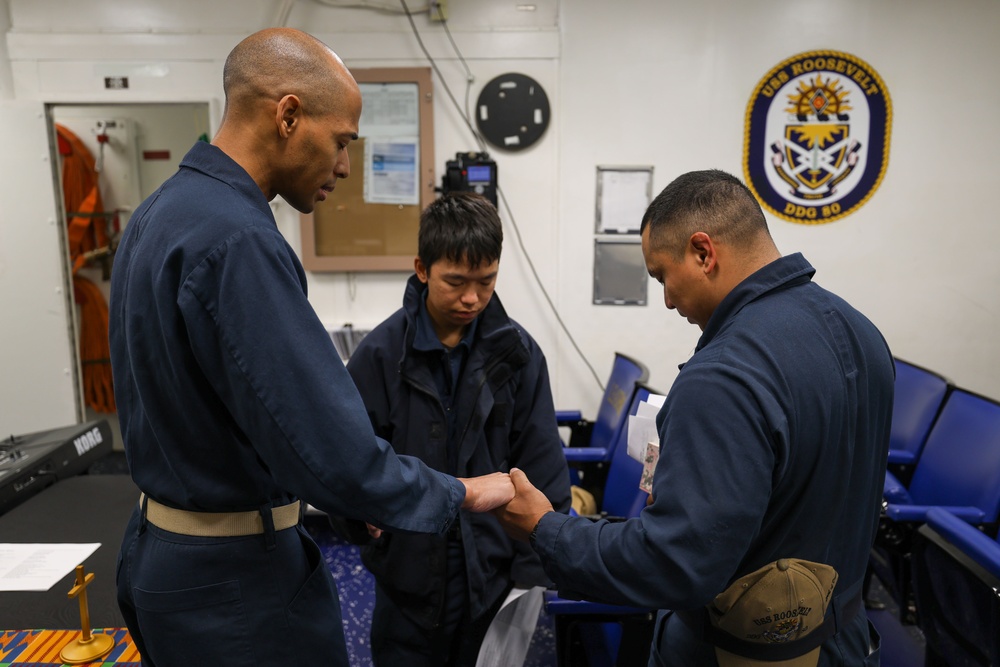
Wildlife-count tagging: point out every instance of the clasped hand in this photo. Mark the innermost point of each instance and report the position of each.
(482, 494)
(514, 501)
(511, 497)
(521, 514)
(486, 492)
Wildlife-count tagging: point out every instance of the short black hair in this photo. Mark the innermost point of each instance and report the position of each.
(460, 227)
(710, 201)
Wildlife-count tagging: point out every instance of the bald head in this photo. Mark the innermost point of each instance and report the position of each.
(292, 108)
(276, 62)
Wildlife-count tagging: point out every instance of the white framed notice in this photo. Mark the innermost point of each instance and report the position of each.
(372, 222)
(623, 194)
(391, 123)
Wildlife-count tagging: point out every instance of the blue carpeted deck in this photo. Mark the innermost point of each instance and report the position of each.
(357, 598)
(902, 645)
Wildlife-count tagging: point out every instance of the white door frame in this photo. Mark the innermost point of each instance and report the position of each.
(38, 356)
(39, 332)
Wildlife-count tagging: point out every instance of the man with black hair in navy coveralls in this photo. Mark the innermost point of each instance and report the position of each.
(773, 438)
(451, 379)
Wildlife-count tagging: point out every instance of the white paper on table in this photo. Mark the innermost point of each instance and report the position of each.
(509, 635)
(641, 430)
(37, 567)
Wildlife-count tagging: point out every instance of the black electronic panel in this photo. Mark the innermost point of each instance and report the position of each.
(31, 462)
(471, 172)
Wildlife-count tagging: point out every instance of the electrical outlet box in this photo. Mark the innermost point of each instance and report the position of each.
(439, 10)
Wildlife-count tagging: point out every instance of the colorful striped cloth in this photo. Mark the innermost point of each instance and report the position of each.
(40, 648)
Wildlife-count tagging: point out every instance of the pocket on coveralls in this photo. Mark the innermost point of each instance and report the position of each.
(314, 613)
(203, 625)
(874, 646)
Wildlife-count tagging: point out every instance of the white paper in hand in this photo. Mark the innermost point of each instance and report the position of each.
(642, 426)
(651, 406)
(640, 431)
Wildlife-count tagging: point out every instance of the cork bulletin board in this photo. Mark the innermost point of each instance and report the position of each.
(370, 221)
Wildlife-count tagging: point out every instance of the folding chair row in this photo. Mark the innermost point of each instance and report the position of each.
(956, 576)
(611, 413)
(591, 442)
(625, 632)
(919, 395)
(958, 469)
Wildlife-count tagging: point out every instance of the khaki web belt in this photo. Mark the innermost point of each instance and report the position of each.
(217, 524)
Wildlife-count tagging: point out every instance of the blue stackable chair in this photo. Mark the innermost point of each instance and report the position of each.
(622, 631)
(919, 395)
(956, 583)
(591, 443)
(603, 429)
(959, 470)
(959, 467)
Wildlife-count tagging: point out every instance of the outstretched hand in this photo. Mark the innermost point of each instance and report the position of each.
(520, 515)
(486, 492)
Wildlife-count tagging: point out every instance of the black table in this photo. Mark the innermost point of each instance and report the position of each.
(82, 509)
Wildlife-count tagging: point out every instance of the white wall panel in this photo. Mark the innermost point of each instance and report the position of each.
(669, 87)
(141, 16)
(6, 78)
(659, 82)
(37, 360)
(144, 50)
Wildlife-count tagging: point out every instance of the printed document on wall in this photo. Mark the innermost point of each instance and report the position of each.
(391, 172)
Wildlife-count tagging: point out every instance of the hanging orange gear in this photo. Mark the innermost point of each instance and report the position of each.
(82, 199)
(95, 354)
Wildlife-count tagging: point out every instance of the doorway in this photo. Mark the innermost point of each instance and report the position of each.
(135, 148)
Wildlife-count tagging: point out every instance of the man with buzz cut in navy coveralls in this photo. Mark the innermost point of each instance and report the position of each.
(773, 437)
(451, 379)
(233, 402)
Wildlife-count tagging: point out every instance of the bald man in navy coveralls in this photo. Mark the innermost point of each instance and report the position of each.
(233, 402)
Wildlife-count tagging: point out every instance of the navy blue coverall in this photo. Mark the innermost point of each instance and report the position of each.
(500, 415)
(773, 442)
(232, 398)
